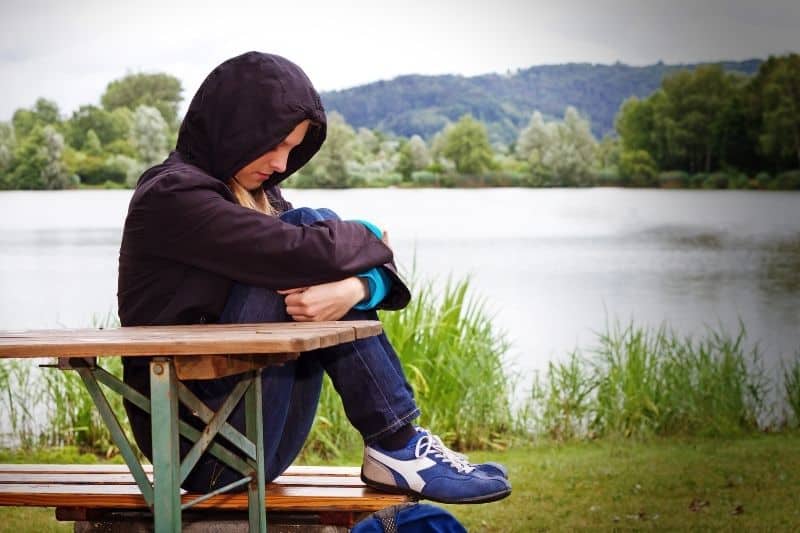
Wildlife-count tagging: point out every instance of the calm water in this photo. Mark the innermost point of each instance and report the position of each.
(553, 265)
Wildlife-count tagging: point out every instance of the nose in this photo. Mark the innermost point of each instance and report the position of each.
(278, 163)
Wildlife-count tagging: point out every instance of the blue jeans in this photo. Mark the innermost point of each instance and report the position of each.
(366, 373)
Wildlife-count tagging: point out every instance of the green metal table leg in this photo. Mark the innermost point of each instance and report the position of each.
(166, 456)
(254, 421)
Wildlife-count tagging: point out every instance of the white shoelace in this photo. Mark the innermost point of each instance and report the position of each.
(430, 443)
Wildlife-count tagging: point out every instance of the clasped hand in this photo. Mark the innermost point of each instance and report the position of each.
(327, 301)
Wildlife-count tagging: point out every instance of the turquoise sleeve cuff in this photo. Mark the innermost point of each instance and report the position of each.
(379, 284)
(372, 227)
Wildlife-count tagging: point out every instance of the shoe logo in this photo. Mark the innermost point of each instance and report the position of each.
(407, 469)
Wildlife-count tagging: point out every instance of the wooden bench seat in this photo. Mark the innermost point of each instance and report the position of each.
(95, 493)
(301, 488)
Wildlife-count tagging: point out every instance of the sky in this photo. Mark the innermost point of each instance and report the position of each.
(69, 51)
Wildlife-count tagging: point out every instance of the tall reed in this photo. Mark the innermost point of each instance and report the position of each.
(640, 381)
(791, 385)
(48, 407)
(452, 355)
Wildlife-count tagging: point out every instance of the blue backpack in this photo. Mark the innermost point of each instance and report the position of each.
(410, 518)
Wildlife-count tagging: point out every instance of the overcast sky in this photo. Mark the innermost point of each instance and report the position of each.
(69, 51)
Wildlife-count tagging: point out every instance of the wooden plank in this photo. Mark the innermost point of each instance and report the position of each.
(121, 469)
(296, 498)
(127, 479)
(215, 366)
(206, 339)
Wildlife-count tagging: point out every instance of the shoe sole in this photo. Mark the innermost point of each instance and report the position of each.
(417, 496)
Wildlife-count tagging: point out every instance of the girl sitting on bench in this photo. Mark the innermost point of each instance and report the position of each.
(210, 239)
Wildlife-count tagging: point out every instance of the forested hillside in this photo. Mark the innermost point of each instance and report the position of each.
(422, 105)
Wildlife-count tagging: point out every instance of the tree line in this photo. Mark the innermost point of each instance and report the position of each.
(704, 128)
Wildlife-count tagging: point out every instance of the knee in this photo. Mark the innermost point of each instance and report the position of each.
(327, 214)
(304, 215)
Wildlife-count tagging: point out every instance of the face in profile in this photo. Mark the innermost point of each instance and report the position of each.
(252, 175)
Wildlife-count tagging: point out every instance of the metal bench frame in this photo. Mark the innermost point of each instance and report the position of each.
(245, 454)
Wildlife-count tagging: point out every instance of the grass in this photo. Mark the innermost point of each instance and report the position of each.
(749, 483)
(646, 382)
(453, 357)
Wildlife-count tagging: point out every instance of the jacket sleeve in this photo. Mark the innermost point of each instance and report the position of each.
(196, 225)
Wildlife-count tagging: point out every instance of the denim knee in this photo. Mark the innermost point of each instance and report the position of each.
(308, 215)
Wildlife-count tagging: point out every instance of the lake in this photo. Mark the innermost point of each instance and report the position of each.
(553, 265)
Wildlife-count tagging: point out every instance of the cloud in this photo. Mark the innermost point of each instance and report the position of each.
(69, 51)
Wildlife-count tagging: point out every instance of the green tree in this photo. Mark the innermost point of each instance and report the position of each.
(149, 134)
(39, 161)
(608, 152)
(109, 126)
(697, 117)
(92, 145)
(534, 140)
(160, 90)
(571, 150)
(329, 167)
(636, 123)
(780, 108)
(638, 168)
(413, 155)
(44, 112)
(561, 151)
(8, 144)
(466, 144)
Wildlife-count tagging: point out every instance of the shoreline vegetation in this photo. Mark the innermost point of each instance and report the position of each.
(703, 128)
(635, 383)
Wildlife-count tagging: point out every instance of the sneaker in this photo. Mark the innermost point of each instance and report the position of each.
(490, 469)
(427, 469)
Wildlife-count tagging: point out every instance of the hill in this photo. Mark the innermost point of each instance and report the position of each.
(416, 104)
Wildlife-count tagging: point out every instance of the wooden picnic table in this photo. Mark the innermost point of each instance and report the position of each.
(187, 352)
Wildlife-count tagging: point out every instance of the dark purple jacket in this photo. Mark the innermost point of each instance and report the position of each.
(186, 239)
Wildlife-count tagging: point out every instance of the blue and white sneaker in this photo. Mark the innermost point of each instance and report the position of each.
(427, 469)
(490, 469)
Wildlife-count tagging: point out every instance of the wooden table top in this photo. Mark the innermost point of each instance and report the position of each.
(205, 339)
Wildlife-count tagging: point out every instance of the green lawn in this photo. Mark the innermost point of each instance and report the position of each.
(750, 483)
(747, 483)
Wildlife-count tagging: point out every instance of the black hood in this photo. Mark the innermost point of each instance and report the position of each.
(246, 107)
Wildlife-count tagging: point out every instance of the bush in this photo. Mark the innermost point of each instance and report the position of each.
(738, 180)
(673, 179)
(425, 178)
(638, 168)
(717, 180)
(763, 179)
(696, 180)
(787, 181)
(606, 177)
(94, 170)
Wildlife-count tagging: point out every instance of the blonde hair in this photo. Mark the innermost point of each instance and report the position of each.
(256, 200)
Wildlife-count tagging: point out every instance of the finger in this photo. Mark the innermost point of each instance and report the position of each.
(292, 291)
(299, 310)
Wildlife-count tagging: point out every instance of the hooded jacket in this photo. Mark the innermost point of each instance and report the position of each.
(186, 239)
